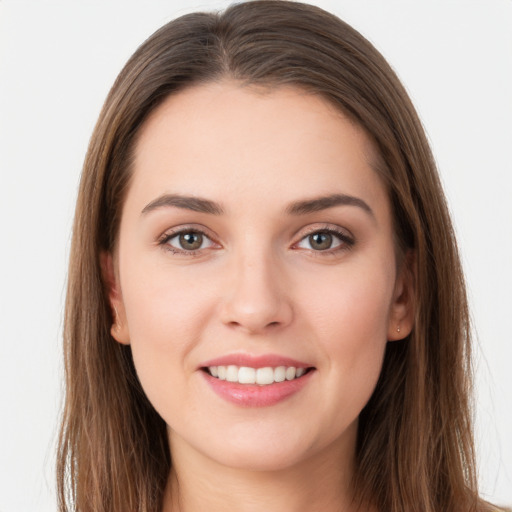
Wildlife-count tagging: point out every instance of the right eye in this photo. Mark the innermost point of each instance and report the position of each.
(187, 241)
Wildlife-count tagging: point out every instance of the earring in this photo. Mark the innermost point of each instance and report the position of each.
(398, 328)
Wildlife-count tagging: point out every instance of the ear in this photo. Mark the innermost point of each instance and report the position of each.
(403, 308)
(119, 328)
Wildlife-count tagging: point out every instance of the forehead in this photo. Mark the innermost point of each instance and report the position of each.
(223, 138)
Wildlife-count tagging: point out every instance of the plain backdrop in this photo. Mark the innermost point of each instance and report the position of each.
(57, 61)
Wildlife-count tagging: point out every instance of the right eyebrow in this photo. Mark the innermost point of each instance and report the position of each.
(196, 204)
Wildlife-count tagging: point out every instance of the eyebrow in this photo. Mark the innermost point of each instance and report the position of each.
(196, 204)
(323, 203)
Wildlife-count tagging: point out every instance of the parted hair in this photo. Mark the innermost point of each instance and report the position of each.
(415, 447)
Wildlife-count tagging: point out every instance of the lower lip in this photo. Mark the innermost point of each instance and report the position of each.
(253, 395)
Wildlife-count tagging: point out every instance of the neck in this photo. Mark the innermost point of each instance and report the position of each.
(322, 482)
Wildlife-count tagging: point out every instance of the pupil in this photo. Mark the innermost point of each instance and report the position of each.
(320, 241)
(191, 240)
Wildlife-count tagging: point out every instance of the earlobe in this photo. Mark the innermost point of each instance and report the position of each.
(403, 307)
(119, 328)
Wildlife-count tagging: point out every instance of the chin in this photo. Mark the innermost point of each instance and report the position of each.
(259, 446)
(255, 458)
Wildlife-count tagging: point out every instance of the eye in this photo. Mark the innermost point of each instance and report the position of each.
(325, 240)
(189, 240)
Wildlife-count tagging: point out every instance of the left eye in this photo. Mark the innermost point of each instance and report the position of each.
(321, 241)
(189, 241)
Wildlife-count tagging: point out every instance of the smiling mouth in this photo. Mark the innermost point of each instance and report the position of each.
(260, 376)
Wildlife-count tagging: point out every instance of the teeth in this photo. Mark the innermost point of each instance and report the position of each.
(222, 372)
(290, 373)
(246, 375)
(260, 376)
(280, 374)
(264, 376)
(232, 374)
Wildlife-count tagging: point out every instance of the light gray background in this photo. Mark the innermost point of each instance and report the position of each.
(57, 62)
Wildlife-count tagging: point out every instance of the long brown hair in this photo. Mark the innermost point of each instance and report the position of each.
(415, 448)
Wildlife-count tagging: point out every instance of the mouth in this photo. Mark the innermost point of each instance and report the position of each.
(265, 376)
(249, 380)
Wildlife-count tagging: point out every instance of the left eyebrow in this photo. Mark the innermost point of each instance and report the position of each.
(323, 203)
(196, 204)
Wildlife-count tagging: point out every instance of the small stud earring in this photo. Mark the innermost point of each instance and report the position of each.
(398, 329)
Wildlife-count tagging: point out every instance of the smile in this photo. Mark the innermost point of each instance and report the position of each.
(260, 376)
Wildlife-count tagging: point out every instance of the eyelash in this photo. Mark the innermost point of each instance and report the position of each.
(346, 241)
(166, 237)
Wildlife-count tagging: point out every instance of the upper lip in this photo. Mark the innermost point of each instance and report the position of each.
(253, 361)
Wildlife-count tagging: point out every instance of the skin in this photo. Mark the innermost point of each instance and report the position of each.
(257, 286)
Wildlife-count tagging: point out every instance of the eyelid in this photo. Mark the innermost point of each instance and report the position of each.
(343, 234)
(171, 233)
(324, 227)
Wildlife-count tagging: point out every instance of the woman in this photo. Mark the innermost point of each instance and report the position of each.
(265, 306)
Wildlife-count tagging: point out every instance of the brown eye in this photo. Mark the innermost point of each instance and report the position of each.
(320, 241)
(187, 242)
(191, 240)
(326, 240)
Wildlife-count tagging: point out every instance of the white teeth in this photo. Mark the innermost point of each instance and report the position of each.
(247, 375)
(264, 376)
(280, 374)
(260, 376)
(222, 372)
(290, 373)
(232, 373)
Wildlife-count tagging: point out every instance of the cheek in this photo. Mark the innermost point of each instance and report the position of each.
(165, 319)
(165, 313)
(163, 304)
(354, 301)
(350, 314)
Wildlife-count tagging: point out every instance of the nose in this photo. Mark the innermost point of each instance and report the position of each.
(256, 299)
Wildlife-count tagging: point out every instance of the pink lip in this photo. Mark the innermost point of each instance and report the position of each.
(253, 395)
(262, 361)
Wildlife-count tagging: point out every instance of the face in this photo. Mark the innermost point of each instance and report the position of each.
(255, 275)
